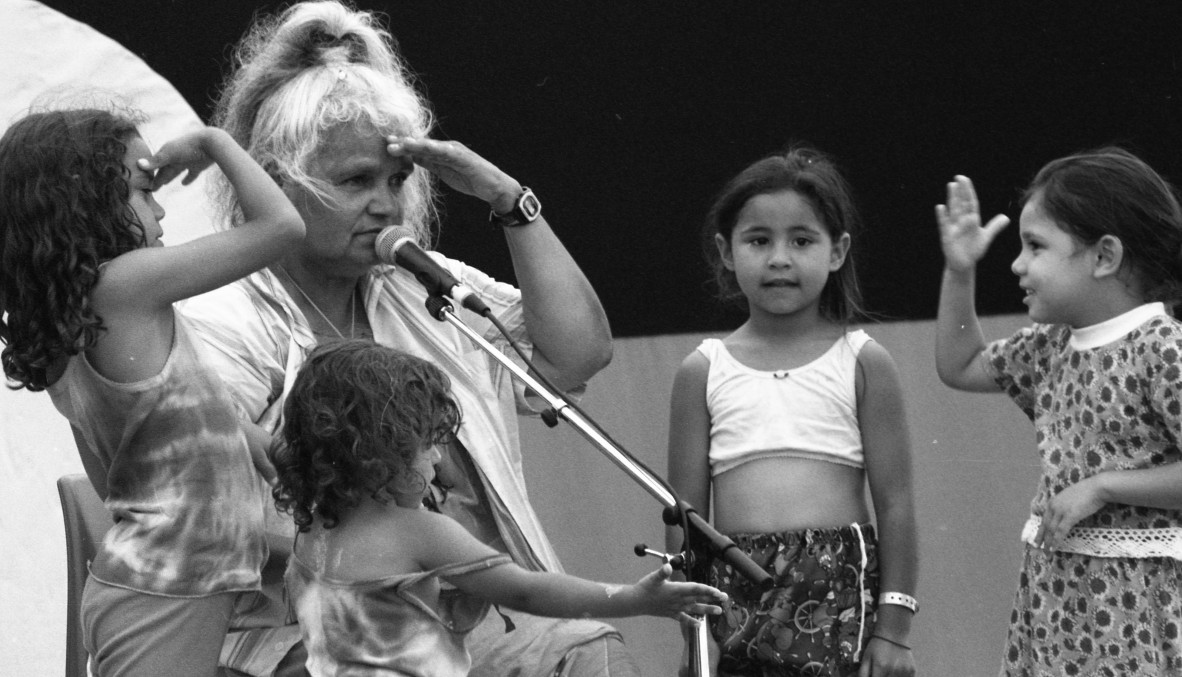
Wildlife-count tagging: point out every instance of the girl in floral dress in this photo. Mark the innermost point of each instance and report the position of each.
(1099, 375)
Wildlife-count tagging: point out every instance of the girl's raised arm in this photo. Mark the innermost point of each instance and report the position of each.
(959, 340)
(152, 278)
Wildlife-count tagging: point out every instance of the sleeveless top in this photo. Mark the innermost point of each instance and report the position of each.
(180, 482)
(808, 412)
(388, 625)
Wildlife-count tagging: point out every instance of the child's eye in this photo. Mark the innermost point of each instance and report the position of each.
(398, 180)
(802, 241)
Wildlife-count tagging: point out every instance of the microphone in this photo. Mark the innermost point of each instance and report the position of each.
(396, 245)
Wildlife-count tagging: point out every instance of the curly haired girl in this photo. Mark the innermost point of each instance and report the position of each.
(89, 290)
(380, 584)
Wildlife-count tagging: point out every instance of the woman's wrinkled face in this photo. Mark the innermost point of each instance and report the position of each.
(365, 194)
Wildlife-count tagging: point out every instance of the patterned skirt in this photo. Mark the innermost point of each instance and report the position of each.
(816, 619)
(1095, 616)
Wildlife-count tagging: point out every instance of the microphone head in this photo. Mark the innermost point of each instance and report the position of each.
(388, 240)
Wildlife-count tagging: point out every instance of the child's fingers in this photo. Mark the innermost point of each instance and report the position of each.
(165, 175)
(194, 172)
(686, 615)
(660, 575)
(657, 577)
(965, 188)
(995, 225)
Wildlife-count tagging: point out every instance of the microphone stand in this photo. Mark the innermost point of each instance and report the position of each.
(697, 532)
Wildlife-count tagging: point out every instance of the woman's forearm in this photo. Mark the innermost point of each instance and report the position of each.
(566, 321)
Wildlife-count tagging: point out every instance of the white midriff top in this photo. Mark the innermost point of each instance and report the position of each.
(809, 412)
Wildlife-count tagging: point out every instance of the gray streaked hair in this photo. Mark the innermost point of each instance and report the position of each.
(314, 67)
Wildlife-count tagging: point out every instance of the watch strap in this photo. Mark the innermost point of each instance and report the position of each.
(526, 209)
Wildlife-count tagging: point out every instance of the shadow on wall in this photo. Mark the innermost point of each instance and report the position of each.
(975, 472)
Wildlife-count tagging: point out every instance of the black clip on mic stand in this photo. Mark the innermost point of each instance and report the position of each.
(696, 531)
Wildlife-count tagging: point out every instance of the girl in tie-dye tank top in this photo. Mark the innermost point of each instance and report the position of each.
(381, 585)
(88, 290)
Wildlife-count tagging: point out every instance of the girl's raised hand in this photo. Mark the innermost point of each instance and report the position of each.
(184, 153)
(961, 235)
(677, 600)
(459, 167)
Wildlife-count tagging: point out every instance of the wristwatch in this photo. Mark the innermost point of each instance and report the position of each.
(525, 210)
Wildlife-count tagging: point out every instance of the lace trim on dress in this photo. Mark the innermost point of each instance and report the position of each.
(1101, 542)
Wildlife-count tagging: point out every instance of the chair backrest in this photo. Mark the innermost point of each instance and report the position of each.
(87, 521)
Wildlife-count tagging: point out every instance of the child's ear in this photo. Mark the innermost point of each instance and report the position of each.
(724, 251)
(841, 247)
(1109, 253)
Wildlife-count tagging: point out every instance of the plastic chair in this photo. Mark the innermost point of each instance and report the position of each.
(87, 521)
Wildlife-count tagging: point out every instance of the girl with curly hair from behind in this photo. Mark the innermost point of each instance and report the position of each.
(381, 585)
(88, 290)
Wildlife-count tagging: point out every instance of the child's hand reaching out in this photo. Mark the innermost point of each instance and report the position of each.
(961, 235)
(674, 599)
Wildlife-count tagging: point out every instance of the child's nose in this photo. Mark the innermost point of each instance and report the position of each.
(781, 255)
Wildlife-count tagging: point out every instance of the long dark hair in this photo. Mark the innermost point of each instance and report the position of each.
(812, 174)
(63, 212)
(1110, 191)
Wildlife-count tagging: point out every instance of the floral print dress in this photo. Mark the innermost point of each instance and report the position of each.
(1097, 408)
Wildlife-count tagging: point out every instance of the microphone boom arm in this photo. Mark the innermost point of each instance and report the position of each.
(675, 513)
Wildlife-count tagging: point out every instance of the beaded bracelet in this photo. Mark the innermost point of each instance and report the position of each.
(891, 641)
(899, 599)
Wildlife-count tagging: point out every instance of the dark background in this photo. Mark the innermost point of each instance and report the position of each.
(626, 117)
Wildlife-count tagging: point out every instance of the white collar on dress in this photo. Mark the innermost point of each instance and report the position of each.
(1096, 335)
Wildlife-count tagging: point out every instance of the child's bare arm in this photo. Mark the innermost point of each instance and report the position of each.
(153, 278)
(1157, 487)
(959, 340)
(886, 442)
(689, 440)
(441, 540)
(259, 441)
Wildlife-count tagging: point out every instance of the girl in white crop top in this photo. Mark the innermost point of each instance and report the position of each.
(779, 426)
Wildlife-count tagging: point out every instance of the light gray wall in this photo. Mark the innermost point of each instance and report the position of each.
(975, 471)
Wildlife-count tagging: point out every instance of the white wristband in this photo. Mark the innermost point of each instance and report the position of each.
(899, 599)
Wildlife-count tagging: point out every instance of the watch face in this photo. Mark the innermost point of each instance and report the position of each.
(530, 206)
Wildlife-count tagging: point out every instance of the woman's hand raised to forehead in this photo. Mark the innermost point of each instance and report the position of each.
(460, 168)
(961, 235)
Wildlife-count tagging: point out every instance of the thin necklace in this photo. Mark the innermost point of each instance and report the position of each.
(352, 307)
